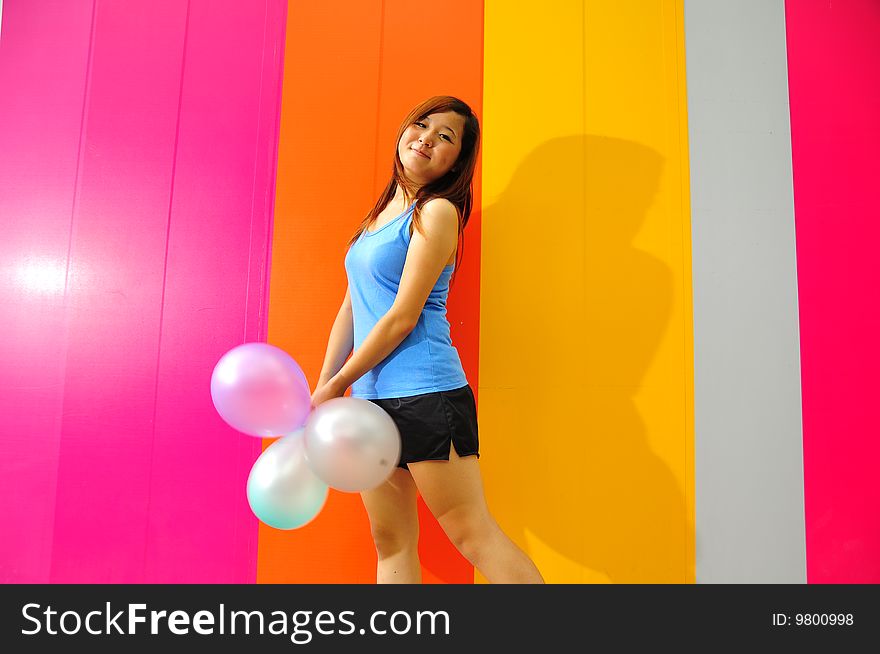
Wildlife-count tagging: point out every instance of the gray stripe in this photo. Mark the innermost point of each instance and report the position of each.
(748, 457)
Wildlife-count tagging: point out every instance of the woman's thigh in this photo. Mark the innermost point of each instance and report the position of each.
(392, 507)
(452, 490)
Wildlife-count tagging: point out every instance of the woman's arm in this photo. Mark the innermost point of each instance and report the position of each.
(340, 343)
(425, 260)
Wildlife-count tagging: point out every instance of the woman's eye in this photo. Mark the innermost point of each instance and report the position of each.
(442, 135)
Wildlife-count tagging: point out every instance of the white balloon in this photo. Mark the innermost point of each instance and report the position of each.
(282, 490)
(351, 444)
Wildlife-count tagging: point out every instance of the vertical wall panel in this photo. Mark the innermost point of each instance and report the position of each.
(115, 292)
(833, 68)
(200, 525)
(154, 167)
(749, 472)
(405, 82)
(585, 343)
(352, 72)
(44, 53)
(329, 102)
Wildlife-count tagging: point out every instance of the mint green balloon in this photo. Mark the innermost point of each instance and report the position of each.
(282, 490)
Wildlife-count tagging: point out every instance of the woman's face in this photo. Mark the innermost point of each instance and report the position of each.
(430, 146)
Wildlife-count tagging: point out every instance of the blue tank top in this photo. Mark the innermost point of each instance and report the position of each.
(425, 361)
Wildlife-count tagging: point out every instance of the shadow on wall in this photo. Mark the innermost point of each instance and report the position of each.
(572, 315)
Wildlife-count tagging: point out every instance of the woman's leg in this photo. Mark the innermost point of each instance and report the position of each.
(394, 524)
(453, 491)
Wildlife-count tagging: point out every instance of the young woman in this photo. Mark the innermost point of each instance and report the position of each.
(399, 266)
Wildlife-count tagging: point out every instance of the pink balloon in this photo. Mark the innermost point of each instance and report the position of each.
(260, 390)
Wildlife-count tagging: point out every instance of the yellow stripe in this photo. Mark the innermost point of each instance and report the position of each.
(586, 344)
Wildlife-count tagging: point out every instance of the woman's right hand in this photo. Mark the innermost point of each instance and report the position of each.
(323, 392)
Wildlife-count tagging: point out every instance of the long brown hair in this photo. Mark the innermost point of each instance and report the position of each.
(455, 185)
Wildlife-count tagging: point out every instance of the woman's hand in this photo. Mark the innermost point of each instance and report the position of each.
(324, 392)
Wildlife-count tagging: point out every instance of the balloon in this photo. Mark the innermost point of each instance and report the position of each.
(282, 490)
(351, 444)
(260, 390)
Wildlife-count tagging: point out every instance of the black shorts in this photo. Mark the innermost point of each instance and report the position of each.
(429, 422)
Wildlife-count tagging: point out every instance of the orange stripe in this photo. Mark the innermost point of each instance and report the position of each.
(352, 71)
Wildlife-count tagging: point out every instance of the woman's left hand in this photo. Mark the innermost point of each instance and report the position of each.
(327, 392)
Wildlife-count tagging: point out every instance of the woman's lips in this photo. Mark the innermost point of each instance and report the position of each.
(420, 154)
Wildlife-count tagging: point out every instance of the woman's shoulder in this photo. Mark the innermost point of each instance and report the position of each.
(440, 205)
(438, 221)
(440, 213)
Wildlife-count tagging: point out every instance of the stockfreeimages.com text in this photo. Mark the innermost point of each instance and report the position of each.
(300, 625)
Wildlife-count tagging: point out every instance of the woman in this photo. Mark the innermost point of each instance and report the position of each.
(399, 266)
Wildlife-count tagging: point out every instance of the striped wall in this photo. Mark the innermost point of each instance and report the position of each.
(665, 305)
(137, 168)
(834, 67)
(749, 468)
(343, 100)
(585, 345)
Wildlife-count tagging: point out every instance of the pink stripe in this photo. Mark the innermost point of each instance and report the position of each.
(168, 257)
(834, 65)
(217, 255)
(44, 52)
(115, 294)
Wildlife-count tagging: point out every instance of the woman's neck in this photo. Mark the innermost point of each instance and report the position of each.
(400, 198)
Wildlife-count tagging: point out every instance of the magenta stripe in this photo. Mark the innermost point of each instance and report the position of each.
(44, 54)
(115, 292)
(220, 212)
(172, 215)
(834, 66)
